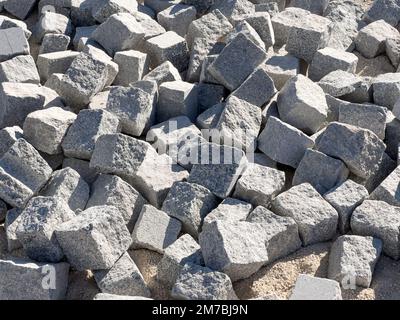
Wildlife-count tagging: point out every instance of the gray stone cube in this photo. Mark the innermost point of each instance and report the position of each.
(388, 190)
(302, 104)
(8, 136)
(123, 278)
(259, 185)
(23, 172)
(82, 167)
(119, 32)
(283, 143)
(321, 171)
(89, 125)
(27, 71)
(53, 42)
(133, 65)
(234, 10)
(94, 239)
(35, 231)
(45, 129)
(380, 220)
(51, 22)
(202, 283)
(105, 9)
(316, 218)
(177, 18)
(54, 62)
(314, 6)
(353, 258)
(235, 248)
(168, 46)
(282, 68)
(261, 22)
(340, 83)
(360, 149)
(240, 52)
(312, 288)
(165, 72)
(13, 42)
(386, 89)
(155, 230)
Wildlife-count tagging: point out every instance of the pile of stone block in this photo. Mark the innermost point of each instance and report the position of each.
(220, 135)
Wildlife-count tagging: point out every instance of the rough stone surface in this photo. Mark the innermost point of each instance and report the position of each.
(316, 218)
(354, 256)
(312, 288)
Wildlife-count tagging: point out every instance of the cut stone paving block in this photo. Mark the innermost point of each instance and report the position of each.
(94, 239)
(189, 203)
(160, 5)
(201, 283)
(112, 190)
(13, 42)
(11, 225)
(339, 83)
(209, 118)
(212, 26)
(229, 210)
(68, 185)
(20, 9)
(234, 248)
(51, 22)
(259, 185)
(45, 129)
(219, 170)
(27, 71)
(284, 21)
(55, 62)
(17, 100)
(177, 18)
(387, 10)
(261, 22)
(119, 32)
(155, 230)
(239, 124)
(234, 10)
(107, 8)
(362, 93)
(365, 116)
(168, 46)
(8, 136)
(370, 40)
(22, 279)
(388, 190)
(167, 136)
(308, 36)
(302, 104)
(354, 256)
(316, 218)
(386, 89)
(123, 278)
(314, 6)
(380, 220)
(282, 68)
(82, 167)
(321, 171)
(183, 251)
(205, 75)
(245, 28)
(39, 219)
(133, 107)
(360, 149)
(81, 12)
(98, 54)
(86, 76)
(177, 98)
(209, 95)
(345, 198)
(329, 59)
(313, 288)
(283, 143)
(240, 52)
(165, 72)
(79, 142)
(150, 27)
(82, 33)
(23, 172)
(393, 50)
(282, 233)
(7, 22)
(133, 65)
(53, 42)
(258, 88)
